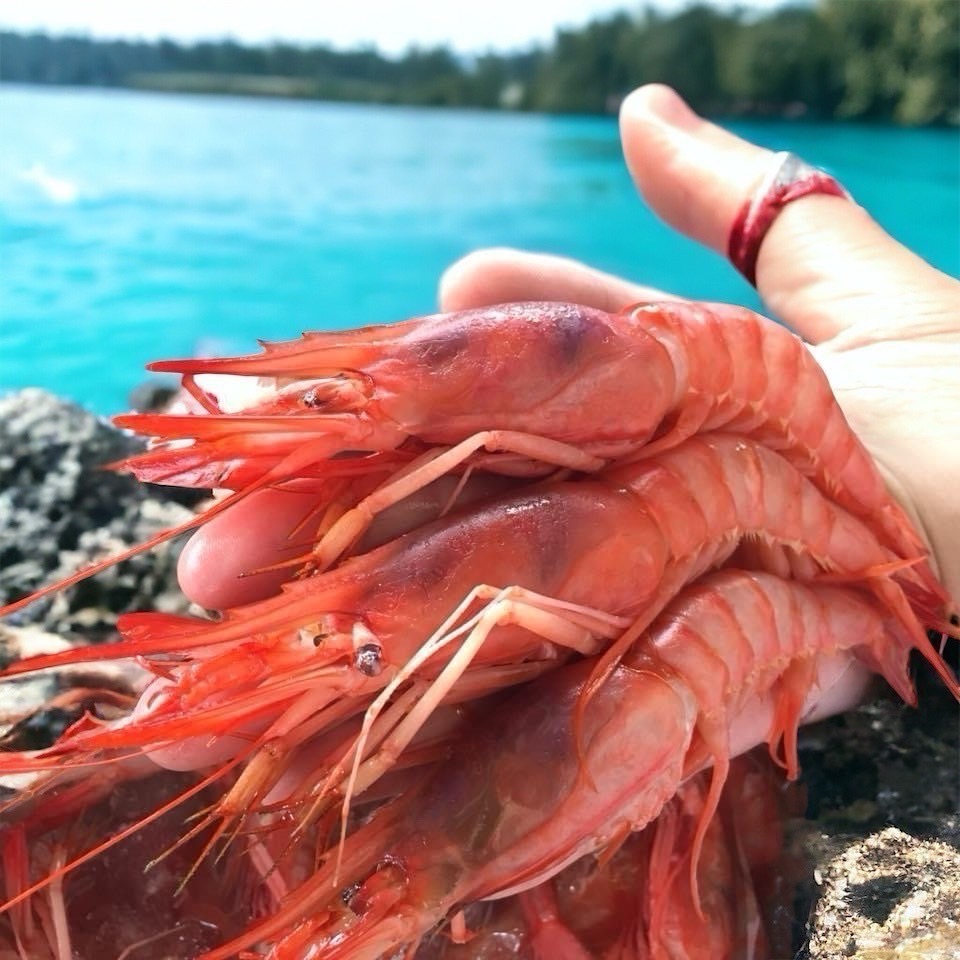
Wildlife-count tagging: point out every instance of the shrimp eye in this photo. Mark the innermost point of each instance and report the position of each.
(348, 893)
(368, 659)
(312, 398)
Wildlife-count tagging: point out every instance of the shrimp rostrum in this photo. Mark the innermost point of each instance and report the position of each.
(733, 661)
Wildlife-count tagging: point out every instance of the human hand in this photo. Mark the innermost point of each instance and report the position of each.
(883, 324)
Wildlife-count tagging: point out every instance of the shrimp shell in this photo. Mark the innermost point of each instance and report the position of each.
(606, 384)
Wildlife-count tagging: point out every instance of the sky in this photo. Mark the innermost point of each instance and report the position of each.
(392, 26)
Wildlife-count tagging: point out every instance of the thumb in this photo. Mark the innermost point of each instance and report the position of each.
(824, 266)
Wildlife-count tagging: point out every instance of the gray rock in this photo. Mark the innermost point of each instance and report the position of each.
(60, 510)
(35, 708)
(883, 786)
(889, 896)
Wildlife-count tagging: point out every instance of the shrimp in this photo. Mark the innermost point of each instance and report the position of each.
(633, 901)
(460, 608)
(519, 388)
(729, 664)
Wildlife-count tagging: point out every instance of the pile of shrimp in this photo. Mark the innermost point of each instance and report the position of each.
(560, 568)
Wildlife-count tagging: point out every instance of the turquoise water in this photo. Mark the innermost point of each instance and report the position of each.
(139, 226)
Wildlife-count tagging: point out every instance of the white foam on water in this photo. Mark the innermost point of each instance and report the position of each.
(54, 188)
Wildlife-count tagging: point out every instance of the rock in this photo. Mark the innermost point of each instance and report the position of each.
(24, 695)
(889, 896)
(60, 510)
(35, 708)
(883, 840)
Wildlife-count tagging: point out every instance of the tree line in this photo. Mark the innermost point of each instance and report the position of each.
(878, 60)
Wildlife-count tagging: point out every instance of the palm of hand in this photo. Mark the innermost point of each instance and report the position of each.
(898, 386)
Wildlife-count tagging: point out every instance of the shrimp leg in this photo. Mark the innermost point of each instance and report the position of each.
(549, 935)
(351, 526)
(565, 625)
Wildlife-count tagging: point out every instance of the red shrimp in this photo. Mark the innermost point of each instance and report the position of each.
(129, 813)
(637, 904)
(633, 902)
(463, 607)
(525, 387)
(730, 664)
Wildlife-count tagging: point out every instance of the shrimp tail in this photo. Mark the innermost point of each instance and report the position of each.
(934, 609)
(891, 660)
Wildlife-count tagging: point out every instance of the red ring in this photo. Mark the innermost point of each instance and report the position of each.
(789, 180)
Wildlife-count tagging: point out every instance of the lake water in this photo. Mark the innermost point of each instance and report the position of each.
(140, 226)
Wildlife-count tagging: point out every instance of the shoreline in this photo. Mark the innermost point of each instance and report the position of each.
(260, 89)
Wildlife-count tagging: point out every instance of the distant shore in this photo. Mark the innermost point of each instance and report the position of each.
(892, 62)
(294, 88)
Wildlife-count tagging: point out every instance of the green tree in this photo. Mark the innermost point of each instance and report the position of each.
(782, 61)
(582, 72)
(900, 58)
(853, 59)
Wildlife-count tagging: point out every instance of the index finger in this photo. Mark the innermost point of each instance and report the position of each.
(824, 266)
(502, 275)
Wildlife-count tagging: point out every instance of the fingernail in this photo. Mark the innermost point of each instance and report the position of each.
(663, 104)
